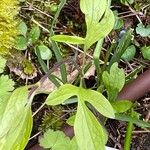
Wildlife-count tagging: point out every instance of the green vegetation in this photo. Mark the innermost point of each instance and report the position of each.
(8, 25)
(61, 58)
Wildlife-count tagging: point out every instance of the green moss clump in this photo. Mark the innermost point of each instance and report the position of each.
(8, 23)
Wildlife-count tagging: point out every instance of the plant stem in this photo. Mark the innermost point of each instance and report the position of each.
(38, 109)
(96, 56)
(82, 83)
(128, 136)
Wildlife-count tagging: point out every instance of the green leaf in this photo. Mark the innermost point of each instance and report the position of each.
(68, 39)
(135, 120)
(142, 30)
(7, 86)
(15, 120)
(129, 53)
(55, 140)
(73, 144)
(94, 9)
(34, 34)
(70, 101)
(59, 58)
(96, 99)
(98, 18)
(2, 64)
(71, 120)
(118, 21)
(61, 94)
(21, 43)
(23, 131)
(146, 52)
(113, 81)
(86, 125)
(102, 29)
(22, 28)
(121, 47)
(45, 52)
(121, 106)
(84, 117)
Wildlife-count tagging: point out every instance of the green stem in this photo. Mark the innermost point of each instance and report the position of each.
(82, 83)
(96, 56)
(108, 53)
(128, 136)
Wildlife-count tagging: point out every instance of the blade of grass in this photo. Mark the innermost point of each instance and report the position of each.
(61, 5)
(59, 58)
(108, 53)
(55, 47)
(127, 118)
(45, 69)
(123, 44)
(40, 60)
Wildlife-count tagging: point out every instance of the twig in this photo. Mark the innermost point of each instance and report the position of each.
(37, 23)
(39, 10)
(138, 132)
(136, 15)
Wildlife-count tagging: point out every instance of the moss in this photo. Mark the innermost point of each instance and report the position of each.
(8, 23)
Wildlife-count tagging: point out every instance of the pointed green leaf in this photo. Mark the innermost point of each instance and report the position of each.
(90, 135)
(95, 98)
(34, 34)
(99, 102)
(99, 20)
(102, 28)
(121, 106)
(135, 120)
(68, 39)
(22, 27)
(21, 43)
(73, 144)
(84, 117)
(93, 9)
(129, 53)
(15, 121)
(118, 21)
(71, 120)
(113, 81)
(61, 94)
(146, 52)
(22, 133)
